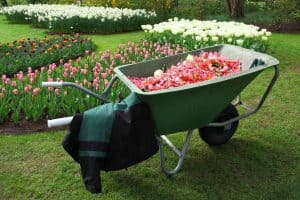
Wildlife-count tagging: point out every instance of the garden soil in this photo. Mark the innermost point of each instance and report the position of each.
(26, 127)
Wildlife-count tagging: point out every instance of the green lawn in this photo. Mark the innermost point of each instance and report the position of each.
(262, 161)
(10, 32)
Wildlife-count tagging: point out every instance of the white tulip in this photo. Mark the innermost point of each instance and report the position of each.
(214, 38)
(240, 42)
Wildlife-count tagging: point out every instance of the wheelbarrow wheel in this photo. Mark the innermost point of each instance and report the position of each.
(220, 135)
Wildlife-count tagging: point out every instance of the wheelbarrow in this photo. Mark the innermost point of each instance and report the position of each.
(209, 106)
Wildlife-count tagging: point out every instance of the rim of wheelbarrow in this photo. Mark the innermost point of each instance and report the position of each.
(271, 62)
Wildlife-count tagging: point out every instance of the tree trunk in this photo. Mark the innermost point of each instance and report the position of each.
(235, 8)
(3, 3)
(175, 3)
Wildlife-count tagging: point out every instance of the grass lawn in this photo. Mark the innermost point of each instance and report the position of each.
(10, 32)
(262, 161)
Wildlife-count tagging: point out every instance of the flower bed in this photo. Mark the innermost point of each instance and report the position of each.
(71, 18)
(18, 55)
(193, 69)
(194, 34)
(23, 95)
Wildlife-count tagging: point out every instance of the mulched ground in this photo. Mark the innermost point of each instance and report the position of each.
(26, 127)
(285, 28)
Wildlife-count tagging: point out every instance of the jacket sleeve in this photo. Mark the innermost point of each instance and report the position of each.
(90, 170)
(90, 166)
(70, 143)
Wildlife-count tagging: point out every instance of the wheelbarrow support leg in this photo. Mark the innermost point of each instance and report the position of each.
(181, 154)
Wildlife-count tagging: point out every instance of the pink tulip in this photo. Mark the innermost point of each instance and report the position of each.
(56, 91)
(29, 70)
(84, 71)
(7, 81)
(26, 89)
(73, 69)
(67, 65)
(103, 75)
(52, 66)
(65, 74)
(15, 91)
(4, 77)
(31, 80)
(42, 69)
(96, 81)
(97, 86)
(20, 76)
(50, 89)
(106, 82)
(29, 86)
(35, 91)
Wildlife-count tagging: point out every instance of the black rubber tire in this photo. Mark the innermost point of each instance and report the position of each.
(220, 135)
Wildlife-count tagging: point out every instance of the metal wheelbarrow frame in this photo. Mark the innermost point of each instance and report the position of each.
(254, 62)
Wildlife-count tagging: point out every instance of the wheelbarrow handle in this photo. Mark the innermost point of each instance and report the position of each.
(59, 122)
(67, 120)
(52, 84)
(102, 97)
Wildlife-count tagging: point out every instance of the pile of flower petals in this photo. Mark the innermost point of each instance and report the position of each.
(205, 66)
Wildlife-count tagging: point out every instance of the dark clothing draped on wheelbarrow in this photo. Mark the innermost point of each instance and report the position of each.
(111, 137)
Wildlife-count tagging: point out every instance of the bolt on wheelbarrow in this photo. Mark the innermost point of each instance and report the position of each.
(209, 106)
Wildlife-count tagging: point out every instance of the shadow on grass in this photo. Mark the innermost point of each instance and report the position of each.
(239, 169)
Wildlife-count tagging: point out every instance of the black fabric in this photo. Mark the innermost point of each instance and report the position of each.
(92, 146)
(132, 138)
(70, 142)
(132, 141)
(90, 170)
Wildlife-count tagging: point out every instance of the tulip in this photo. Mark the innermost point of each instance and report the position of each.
(15, 91)
(56, 91)
(35, 91)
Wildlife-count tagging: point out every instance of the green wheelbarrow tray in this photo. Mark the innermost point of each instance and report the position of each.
(197, 105)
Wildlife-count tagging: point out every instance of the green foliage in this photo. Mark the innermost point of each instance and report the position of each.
(189, 9)
(16, 2)
(285, 9)
(253, 6)
(18, 55)
(109, 26)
